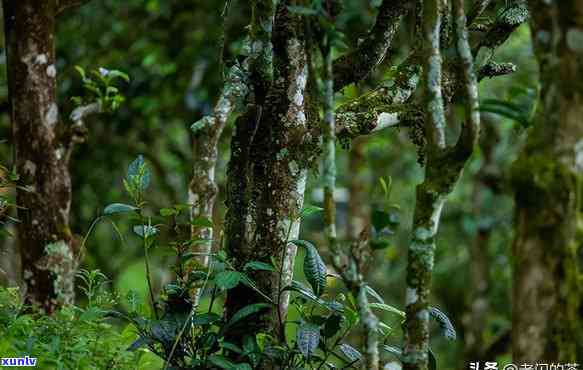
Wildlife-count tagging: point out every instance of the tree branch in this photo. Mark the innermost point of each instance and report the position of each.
(477, 10)
(471, 128)
(493, 69)
(508, 21)
(78, 131)
(356, 65)
(364, 114)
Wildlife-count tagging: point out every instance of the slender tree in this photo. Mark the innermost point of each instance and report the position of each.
(443, 168)
(547, 179)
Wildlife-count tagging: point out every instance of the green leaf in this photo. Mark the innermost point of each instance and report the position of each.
(201, 222)
(350, 352)
(258, 266)
(221, 362)
(314, 267)
(332, 325)
(165, 212)
(145, 231)
(386, 187)
(119, 208)
(308, 337)
(227, 279)
(139, 343)
(388, 308)
(380, 219)
(373, 293)
(447, 328)
(81, 72)
(298, 287)
(139, 173)
(379, 243)
(245, 312)
(310, 210)
(118, 74)
(232, 347)
(397, 352)
(205, 318)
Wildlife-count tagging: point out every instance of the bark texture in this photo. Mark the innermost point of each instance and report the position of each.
(45, 240)
(547, 177)
(274, 142)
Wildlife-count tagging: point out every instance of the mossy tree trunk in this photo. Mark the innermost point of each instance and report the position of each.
(274, 142)
(547, 178)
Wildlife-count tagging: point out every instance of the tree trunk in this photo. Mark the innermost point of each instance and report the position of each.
(547, 178)
(270, 152)
(41, 158)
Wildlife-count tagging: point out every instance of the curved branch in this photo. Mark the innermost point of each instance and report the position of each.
(356, 65)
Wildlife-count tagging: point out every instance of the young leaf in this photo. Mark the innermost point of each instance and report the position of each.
(227, 279)
(308, 338)
(139, 173)
(119, 208)
(112, 73)
(444, 323)
(309, 210)
(314, 267)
